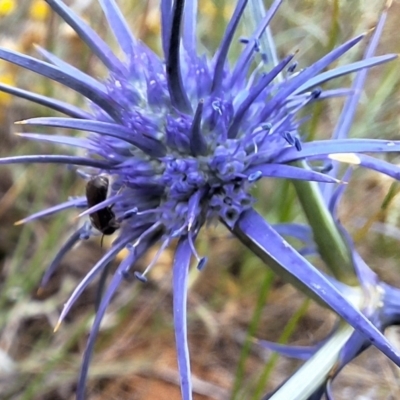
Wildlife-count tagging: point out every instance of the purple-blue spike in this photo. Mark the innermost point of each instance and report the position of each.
(166, 12)
(57, 105)
(255, 91)
(78, 202)
(321, 148)
(120, 28)
(93, 92)
(255, 176)
(225, 44)
(107, 202)
(373, 163)
(333, 200)
(292, 101)
(177, 92)
(194, 208)
(67, 140)
(88, 35)
(140, 277)
(289, 87)
(83, 231)
(130, 213)
(105, 301)
(298, 352)
(100, 265)
(149, 145)
(71, 70)
(366, 276)
(289, 171)
(202, 263)
(119, 275)
(189, 39)
(260, 237)
(57, 159)
(347, 116)
(344, 70)
(298, 231)
(348, 113)
(198, 144)
(241, 66)
(180, 281)
(328, 390)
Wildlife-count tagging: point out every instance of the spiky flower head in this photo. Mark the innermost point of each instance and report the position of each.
(184, 138)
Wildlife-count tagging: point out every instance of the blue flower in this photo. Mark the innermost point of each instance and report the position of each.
(184, 138)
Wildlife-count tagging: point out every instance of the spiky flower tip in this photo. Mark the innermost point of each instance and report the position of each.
(184, 139)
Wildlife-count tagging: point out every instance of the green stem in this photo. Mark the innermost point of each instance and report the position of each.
(261, 301)
(283, 339)
(331, 245)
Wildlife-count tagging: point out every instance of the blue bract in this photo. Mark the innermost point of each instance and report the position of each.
(184, 138)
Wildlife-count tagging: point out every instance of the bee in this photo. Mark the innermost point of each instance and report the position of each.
(104, 219)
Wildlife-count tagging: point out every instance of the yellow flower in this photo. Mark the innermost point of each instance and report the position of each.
(153, 20)
(8, 79)
(208, 8)
(6, 7)
(39, 10)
